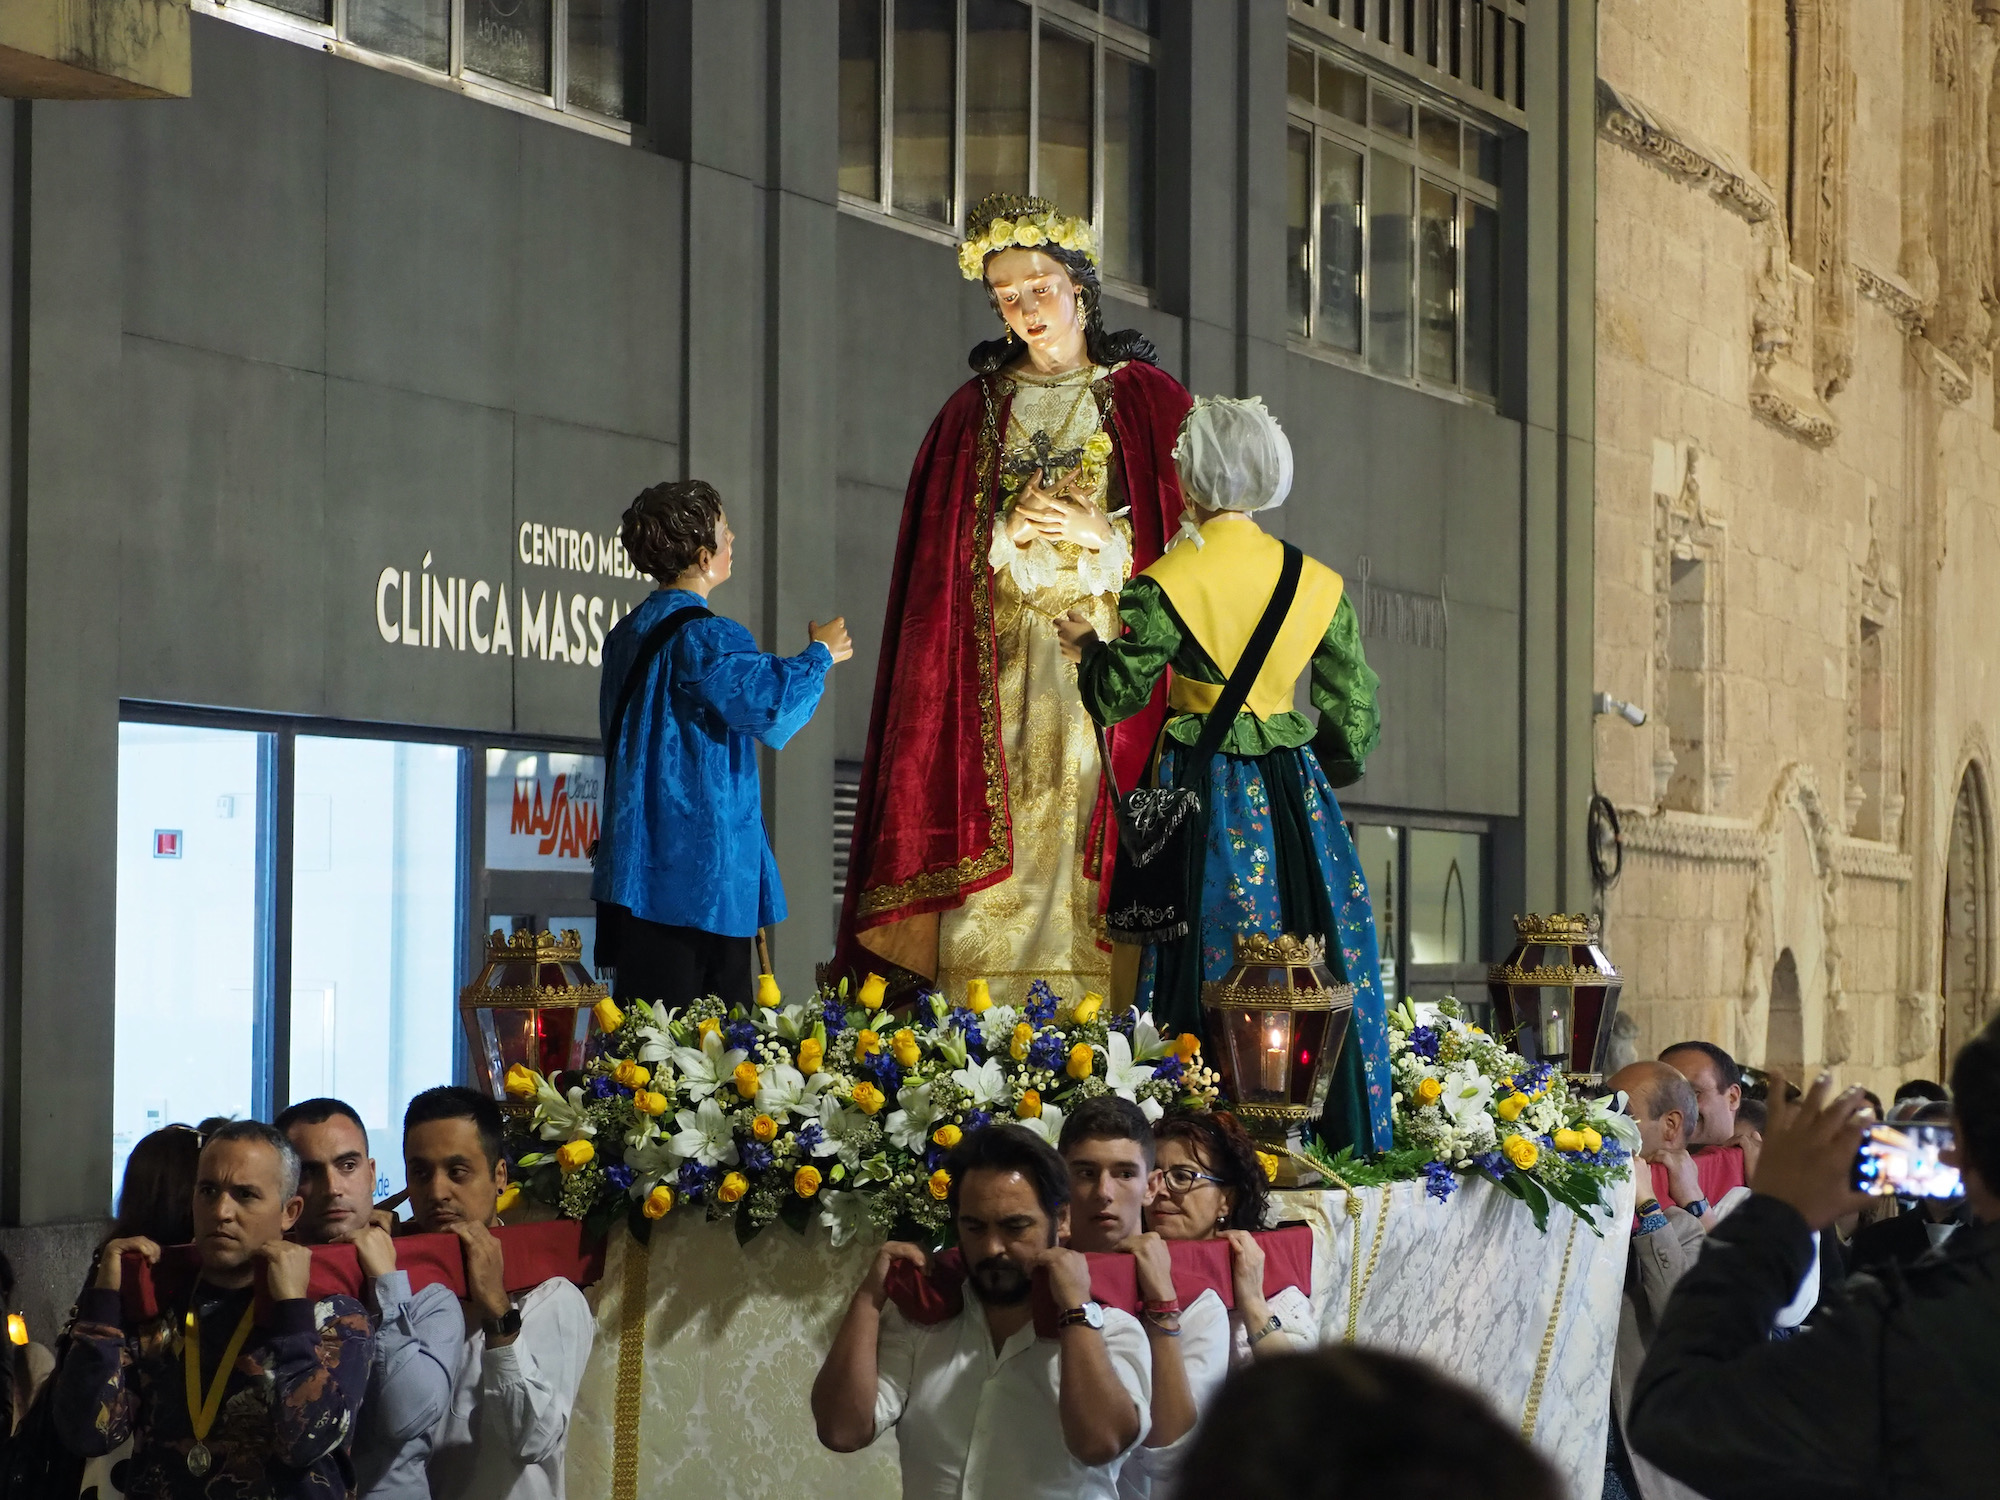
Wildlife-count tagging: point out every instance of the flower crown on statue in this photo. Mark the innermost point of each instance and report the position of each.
(1001, 221)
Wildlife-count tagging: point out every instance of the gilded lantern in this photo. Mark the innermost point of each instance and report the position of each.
(1276, 1023)
(531, 1005)
(1557, 994)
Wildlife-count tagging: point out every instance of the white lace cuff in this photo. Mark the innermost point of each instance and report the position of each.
(1104, 571)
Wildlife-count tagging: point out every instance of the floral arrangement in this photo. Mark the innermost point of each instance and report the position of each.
(1464, 1103)
(835, 1108)
(1039, 224)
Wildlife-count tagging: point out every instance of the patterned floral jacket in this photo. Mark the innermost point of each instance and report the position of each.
(286, 1426)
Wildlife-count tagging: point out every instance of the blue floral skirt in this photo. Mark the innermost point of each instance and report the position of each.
(1279, 859)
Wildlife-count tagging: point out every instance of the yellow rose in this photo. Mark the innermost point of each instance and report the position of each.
(1510, 1108)
(632, 1075)
(1000, 231)
(1079, 1061)
(866, 1044)
(1521, 1151)
(867, 1098)
(1429, 1091)
(509, 1196)
(873, 990)
(1097, 445)
(947, 1136)
(1568, 1140)
(1270, 1165)
(811, 1055)
(609, 1016)
(903, 1047)
(745, 1079)
(1028, 233)
(764, 1128)
(521, 1081)
(734, 1186)
(574, 1154)
(805, 1181)
(659, 1203)
(1024, 1036)
(1088, 1007)
(977, 998)
(768, 992)
(654, 1104)
(701, 1031)
(940, 1184)
(1030, 1107)
(1592, 1141)
(1187, 1047)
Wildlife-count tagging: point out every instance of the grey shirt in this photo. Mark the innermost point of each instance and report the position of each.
(409, 1387)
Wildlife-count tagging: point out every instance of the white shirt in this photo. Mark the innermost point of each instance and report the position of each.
(972, 1424)
(1213, 1342)
(503, 1437)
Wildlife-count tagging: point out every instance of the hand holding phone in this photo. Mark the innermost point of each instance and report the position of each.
(1901, 1159)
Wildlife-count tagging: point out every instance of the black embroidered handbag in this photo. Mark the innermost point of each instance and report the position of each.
(1155, 880)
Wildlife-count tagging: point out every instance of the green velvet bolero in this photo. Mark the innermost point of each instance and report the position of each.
(1116, 679)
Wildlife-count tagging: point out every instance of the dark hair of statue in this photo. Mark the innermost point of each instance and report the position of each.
(1975, 1099)
(1225, 1151)
(1107, 1118)
(450, 1101)
(1104, 348)
(1011, 1148)
(667, 528)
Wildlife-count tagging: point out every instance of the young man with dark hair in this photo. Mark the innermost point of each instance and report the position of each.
(983, 1406)
(1895, 1390)
(684, 875)
(217, 1397)
(502, 1437)
(418, 1334)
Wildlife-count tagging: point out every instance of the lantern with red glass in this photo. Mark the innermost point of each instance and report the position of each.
(1276, 1024)
(531, 1005)
(1556, 995)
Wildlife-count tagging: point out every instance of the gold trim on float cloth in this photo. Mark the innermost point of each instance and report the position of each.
(932, 885)
(1357, 1279)
(631, 1372)
(1531, 1412)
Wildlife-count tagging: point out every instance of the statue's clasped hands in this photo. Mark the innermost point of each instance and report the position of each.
(1074, 632)
(1058, 513)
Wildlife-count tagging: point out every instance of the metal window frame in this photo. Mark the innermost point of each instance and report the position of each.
(1405, 823)
(271, 962)
(331, 37)
(1074, 19)
(1486, 37)
(1324, 126)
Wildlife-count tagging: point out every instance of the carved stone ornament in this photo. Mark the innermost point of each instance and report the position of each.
(1682, 155)
(1894, 296)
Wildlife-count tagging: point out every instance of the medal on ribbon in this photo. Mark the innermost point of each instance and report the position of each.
(203, 1407)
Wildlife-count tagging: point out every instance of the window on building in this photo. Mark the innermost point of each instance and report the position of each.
(1427, 887)
(260, 858)
(582, 59)
(1392, 245)
(945, 101)
(1474, 48)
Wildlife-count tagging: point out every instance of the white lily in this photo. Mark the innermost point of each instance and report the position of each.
(646, 1131)
(1614, 1124)
(559, 1118)
(845, 1214)
(789, 1021)
(910, 1126)
(783, 1090)
(709, 1069)
(1464, 1101)
(1147, 1044)
(654, 1043)
(652, 1164)
(998, 1021)
(1120, 1071)
(985, 1083)
(1047, 1124)
(840, 1131)
(705, 1135)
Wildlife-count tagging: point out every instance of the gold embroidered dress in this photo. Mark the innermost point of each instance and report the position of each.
(1042, 921)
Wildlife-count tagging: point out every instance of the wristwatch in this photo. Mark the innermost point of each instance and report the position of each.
(504, 1328)
(1696, 1206)
(1090, 1315)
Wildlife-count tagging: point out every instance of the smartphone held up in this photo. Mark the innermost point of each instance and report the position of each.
(1901, 1158)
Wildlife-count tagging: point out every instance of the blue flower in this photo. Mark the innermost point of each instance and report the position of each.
(1048, 1051)
(934, 1158)
(1170, 1068)
(979, 1119)
(695, 1179)
(619, 1175)
(1492, 1163)
(810, 1134)
(755, 1156)
(1424, 1042)
(834, 1013)
(602, 1087)
(883, 1069)
(1439, 1180)
(1126, 1021)
(740, 1035)
(1042, 1003)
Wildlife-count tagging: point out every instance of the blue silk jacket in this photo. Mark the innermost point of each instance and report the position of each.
(683, 841)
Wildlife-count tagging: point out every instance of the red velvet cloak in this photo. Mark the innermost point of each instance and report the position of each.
(931, 824)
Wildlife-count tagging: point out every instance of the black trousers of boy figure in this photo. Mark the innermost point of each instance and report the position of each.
(673, 965)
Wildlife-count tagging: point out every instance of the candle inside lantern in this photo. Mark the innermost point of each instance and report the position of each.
(1555, 1037)
(1274, 1055)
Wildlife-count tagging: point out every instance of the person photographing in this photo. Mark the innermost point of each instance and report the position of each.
(684, 875)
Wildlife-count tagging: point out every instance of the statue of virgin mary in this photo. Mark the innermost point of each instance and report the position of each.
(982, 837)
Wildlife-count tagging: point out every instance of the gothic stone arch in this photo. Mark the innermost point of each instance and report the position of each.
(1793, 908)
(1965, 931)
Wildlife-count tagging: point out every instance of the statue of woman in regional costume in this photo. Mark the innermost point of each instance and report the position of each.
(982, 837)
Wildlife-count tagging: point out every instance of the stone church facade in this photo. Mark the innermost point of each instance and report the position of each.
(1798, 523)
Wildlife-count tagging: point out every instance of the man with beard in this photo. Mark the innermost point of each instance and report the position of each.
(983, 1405)
(417, 1333)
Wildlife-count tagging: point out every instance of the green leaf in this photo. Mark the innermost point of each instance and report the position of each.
(746, 1228)
(638, 1225)
(1580, 1196)
(1529, 1192)
(796, 1212)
